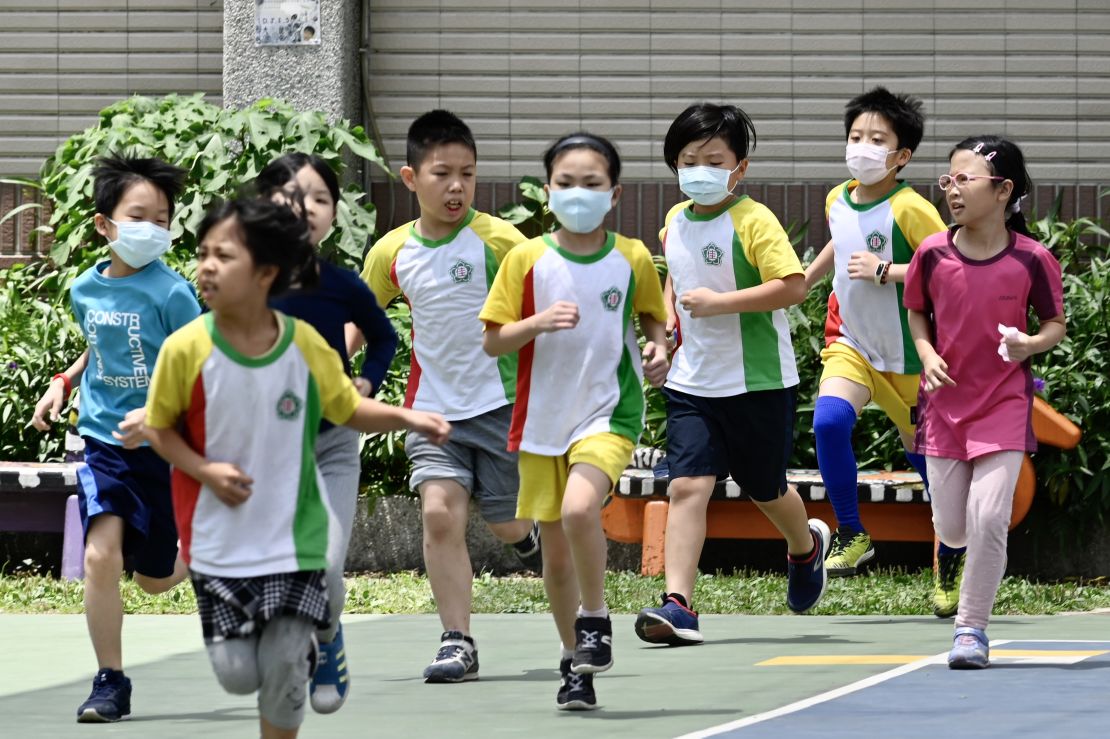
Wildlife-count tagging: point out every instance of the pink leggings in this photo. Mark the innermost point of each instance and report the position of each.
(971, 507)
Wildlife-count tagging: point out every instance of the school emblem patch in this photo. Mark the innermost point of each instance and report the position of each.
(712, 254)
(461, 272)
(288, 406)
(611, 298)
(875, 242)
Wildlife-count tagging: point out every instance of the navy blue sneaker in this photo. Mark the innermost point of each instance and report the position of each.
(109, 701)
(674, 623)
(455, 662)
(806, 579)
(330, 683)
(593, 648)
(576, 692)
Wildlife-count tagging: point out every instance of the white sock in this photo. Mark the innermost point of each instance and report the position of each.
(602, 612)
(565, 653)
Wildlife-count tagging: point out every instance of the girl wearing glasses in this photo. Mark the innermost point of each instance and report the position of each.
(968, 294)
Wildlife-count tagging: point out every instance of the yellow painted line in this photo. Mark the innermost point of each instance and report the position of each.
(842, 659)
(1047, 652)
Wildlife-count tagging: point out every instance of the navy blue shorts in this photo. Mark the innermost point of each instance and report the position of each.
(749, 436)
(133, 484)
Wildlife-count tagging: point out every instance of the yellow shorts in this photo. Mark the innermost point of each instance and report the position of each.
(543, 479)
(895, 393)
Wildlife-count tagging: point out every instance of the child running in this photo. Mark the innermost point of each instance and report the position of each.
(566, 301)
(731, 391)
(235, 407)
(969, 291)
(126, 306)
(339, 297)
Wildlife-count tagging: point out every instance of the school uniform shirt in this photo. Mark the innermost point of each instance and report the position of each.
(445, 283)
(586, 380)
(870, 318)
(990, 407)
(262, 414)
(739, 246)
(125, 320)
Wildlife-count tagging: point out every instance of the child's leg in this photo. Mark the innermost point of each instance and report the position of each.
(155, 585)
(559, 581)
(445, 508)
(685, 537)
(284, 650)
(586, 488)
(497, 477)
(949, 480)
(103, 605)
(989, 503)
(337, 458)
(235, 662)
(838, 406)
(788, 514)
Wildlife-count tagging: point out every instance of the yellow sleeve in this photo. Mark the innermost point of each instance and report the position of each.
(338, 396)
(765, 243)
(648, 297)
(175, 373)
(497, 234)
(916, 217)
(675, 210)
(504, 304)
(833, 195)
(377, 273)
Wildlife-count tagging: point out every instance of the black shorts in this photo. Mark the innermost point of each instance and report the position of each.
(749, 436)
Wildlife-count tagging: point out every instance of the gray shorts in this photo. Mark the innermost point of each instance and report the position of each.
(476, 458)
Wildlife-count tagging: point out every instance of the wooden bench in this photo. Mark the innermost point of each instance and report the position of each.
(894, 504)
(38, 496)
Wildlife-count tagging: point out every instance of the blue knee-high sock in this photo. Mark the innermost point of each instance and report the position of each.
(918, 462)
(833, 419)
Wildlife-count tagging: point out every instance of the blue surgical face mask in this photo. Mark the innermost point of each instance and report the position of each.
(138, 243)
(579, 209)
(705, 185)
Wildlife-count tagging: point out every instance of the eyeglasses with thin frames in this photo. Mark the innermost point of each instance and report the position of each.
(960, 179)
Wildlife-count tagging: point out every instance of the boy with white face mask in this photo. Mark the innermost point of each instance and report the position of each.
(876, 222)
(126, 306)
(732, 385)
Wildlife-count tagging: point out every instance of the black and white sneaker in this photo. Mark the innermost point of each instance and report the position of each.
(528, 549)
(593, 646)
(576, 692)
(456, 660)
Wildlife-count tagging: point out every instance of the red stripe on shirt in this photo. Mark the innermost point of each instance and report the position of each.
(186, 490)
(833, 321)
(523, 368)
(414, 364)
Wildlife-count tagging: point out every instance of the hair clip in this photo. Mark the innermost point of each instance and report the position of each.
(990, 156)
(978, 148)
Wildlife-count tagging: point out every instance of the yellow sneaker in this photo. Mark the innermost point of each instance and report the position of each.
(848, 552)
(946, 584)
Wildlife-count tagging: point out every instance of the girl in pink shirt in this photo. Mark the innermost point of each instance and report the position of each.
(968, 292)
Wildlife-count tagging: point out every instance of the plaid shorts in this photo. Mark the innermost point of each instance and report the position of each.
(232, 607)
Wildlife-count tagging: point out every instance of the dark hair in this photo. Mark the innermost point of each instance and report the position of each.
(708, 121)
(585, 140)
(436, 128)
(273, 234)
(275, 175)
(310, 28)
(902, 112)
(1004, 159)
(114, 175)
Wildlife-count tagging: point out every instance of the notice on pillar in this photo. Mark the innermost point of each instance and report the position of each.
(287, 23)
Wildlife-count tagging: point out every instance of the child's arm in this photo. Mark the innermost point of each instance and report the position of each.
(508, 338)
(372, 416)
(1022, 346)
(656, 364)
(933, 367)
(862, 265)
(668, 303)
(56, 395)
(229, 483)
(821, 265)
(781, 292)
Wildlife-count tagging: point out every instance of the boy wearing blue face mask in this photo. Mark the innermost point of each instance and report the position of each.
(126, 306)
(732, 384)
(876, 221)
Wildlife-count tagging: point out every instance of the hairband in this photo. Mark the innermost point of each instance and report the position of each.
(579, 140)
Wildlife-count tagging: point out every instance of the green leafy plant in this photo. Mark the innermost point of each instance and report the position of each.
(530, 215)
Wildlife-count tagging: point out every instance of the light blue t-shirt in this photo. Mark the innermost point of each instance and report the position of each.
(125, 320)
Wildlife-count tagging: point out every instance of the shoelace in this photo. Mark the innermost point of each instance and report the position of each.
(589, 639)
(451, 651)
(575, 682)
(949, 566)
(102, 688)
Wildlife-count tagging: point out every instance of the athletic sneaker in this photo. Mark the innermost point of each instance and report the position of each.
(970, 650)
(528, 549)
(946, 584)
(329, 686)
(593, 646)
(848, 551)
(806, 579)
(110, 699)
(456, 660)
(673, 623)
(576, 692)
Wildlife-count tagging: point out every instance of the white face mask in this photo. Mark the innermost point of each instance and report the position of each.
(705, 185)
(580, 210)
(867, 162)
(138, 243)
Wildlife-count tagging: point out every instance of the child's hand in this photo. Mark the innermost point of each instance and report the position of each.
(363, 386)
(130, 433)
(935, 371)
(862, 265)
(432, 425)
(669, 327)
(562, 314)
(701, 302)
(49, 406)
(1018, 348)
(656, 365)
(229, 483)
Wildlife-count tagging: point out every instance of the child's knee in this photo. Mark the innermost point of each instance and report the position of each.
(952, 533)
(833, 418)
(442, 522)
(579, 516)
(236, 672)
(103, 560)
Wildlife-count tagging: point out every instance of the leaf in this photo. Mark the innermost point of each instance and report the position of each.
(17, 210)
(362, 147)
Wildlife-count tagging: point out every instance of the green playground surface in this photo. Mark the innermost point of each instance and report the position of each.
(749, 666)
